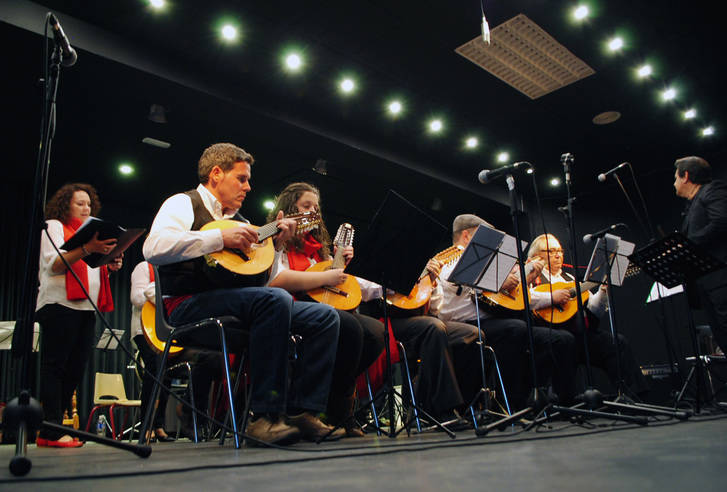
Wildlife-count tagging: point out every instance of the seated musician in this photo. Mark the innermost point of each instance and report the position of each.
(281, 414)
(361, 338)
(601, 349)
(506, 335)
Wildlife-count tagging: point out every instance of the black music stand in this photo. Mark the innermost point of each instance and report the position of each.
(388, 258)
(675, 260)
(484, 265)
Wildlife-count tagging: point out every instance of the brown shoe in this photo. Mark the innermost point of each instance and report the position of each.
(312, 429)
(272, 431)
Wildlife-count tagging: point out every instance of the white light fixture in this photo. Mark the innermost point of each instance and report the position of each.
(471, 142)
(126, 169)
(690, 114)
(669, 94)
(395, 107)
(157, 4)
(555, 182)
(580, 12)
(229, 32)
(293, 62)
(615, 44)
(529, 170)
(644, 71)
(503, 157)
(347, 85)
(708, 131)
(269, 205)
(435, 126)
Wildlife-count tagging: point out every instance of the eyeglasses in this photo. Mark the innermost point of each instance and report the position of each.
(555, 251)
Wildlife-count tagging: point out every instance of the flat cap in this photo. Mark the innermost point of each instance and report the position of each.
(467, 221)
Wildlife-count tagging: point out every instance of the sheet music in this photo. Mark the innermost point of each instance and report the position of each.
(6, 335)
(501, 265)
(477, 256)
(663, 292)
(107, 342)
(618, 251)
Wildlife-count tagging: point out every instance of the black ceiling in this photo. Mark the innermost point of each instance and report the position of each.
(239, 93)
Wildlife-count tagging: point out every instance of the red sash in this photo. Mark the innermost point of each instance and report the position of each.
(298, 260)
(74, 292)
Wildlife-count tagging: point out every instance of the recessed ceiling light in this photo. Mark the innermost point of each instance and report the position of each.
(615, 44)
(503, 157)
(157, 4)
(471, 142)
(690, 114)
(394, 107)
(126, 169)
(293, 62)
(580, 12)
(644, 71)
(555, 182)
(229, 32)
(708, 131)
(347, 85)
(669, 94)
(268, 204)
(435, 126)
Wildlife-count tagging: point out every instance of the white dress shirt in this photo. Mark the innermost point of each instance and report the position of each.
(52, 289)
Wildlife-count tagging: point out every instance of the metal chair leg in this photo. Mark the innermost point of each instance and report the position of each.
(151, 406)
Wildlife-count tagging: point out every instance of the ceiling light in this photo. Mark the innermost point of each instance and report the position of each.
(580, 12)
(669, 94)
(156, 143)
(347, 86)
(435, 126)
(690, 113)
(293, 62)
(555, 182)
(615, 44)
(529, 170)
(157, 113)
(706, 132)
(394, 107)
(157, 4)
(503, 157)
(269, 205)
(229, 32)
(471, 143)
(644, 71)
(321, 167)
(126, 169)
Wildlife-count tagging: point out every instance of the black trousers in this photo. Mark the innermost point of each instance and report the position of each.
(713, 293)
(67, 342)
(425, 338)
(360, 341)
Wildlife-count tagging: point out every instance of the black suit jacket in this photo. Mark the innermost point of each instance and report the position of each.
(705, 220)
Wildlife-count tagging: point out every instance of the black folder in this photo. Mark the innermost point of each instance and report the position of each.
(106, 230)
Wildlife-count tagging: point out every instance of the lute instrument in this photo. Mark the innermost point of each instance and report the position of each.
(344, 296)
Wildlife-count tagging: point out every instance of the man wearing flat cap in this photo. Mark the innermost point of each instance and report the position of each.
(508, 336)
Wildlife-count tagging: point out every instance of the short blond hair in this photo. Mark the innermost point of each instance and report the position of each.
(541, 243)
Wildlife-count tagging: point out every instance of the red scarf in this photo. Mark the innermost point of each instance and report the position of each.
(73, 291)
(299, 260)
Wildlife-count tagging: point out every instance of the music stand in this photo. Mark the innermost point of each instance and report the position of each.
(675, 260)
(386, 257)
(485, 264)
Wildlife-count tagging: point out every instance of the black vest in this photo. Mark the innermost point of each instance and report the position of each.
(195, 276)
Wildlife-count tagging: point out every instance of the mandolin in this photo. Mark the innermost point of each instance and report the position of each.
(148, 322)
(344, 296)
(561, 314)
(511, 301)
(422, 290)
(262, 253)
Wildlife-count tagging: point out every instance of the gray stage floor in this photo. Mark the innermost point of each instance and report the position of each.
(689, 456)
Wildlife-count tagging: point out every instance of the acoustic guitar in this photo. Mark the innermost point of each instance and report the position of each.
(561, 314)
(148, 323)
(344, 296)
(262, 253)
(422, 290)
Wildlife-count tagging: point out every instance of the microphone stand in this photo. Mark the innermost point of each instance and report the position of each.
(24, 412)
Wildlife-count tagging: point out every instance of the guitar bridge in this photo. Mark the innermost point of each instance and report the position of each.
(336, 290)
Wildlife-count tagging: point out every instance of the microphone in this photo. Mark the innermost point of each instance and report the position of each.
(487, 175)
(69, 54)
(588, 238)
(602, 176)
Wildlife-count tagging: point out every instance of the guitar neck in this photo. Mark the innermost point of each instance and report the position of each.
(584, 286)
(266, 231)
(338, 259)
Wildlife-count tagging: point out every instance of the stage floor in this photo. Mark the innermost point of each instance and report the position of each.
(602, 455)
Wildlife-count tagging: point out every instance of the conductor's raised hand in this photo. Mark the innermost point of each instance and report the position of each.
(242, 237)
(287, 230)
